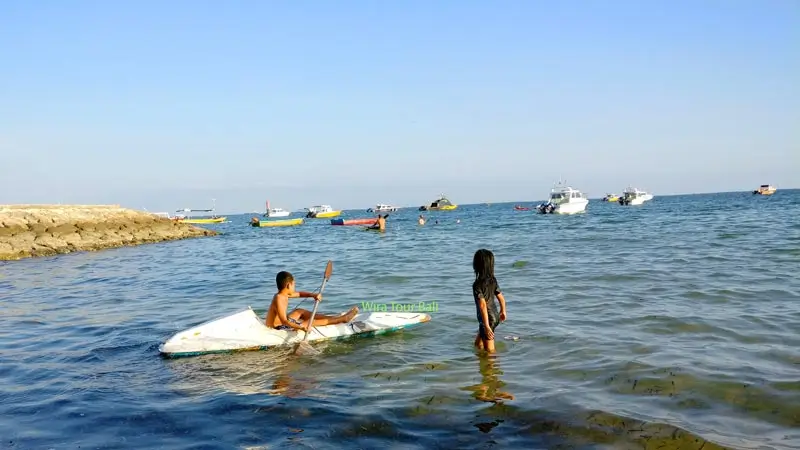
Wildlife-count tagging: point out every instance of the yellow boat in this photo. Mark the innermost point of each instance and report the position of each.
(322, 212)
(611, 198)
(200, 221)
(442, 204)
(276, 223)
(327, 215)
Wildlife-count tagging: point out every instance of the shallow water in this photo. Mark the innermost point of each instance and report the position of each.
(671, 325)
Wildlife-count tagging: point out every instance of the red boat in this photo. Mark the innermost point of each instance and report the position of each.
(369, 221)
(521, 208)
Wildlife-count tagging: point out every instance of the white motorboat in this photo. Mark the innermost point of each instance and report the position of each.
(380, 207)
(276, 212)
(633, 196)
(564, 200)
(765, 189)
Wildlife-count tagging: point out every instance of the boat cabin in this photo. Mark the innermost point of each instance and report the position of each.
(441, 202)
(566, 195)
(320, 209)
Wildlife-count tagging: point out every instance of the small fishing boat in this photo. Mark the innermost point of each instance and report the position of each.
(365, 221)
(633, 197)
(765, 189)
(185, 218)
(611, 198)
(276, 212)
(321, 212)
(275, 223)
(441, 204)
(521, 208)
(380, 207)
(564, 200)
(244, 331)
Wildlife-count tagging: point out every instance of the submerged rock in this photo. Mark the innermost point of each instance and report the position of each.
(43, 230)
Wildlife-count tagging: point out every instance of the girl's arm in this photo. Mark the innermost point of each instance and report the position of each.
(484, 312)
(502, 303)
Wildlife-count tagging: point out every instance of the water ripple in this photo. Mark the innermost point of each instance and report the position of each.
(671, 325)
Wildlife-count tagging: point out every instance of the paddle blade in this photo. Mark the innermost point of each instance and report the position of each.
(305, 349)
(329, 270)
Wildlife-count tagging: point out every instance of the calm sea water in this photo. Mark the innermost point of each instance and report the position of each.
(671, 325)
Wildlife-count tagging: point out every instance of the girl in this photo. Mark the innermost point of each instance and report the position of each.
(484, 289)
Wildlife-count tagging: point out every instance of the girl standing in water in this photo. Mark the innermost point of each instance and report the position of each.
(484, 291)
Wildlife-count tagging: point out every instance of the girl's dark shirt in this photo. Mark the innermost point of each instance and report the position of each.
(486, 289)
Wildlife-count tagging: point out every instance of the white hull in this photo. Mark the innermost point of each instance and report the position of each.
(640, 199)
(573, 207)
(278, 214)
(245, 331)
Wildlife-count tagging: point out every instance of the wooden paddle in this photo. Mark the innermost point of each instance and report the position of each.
(304, 347)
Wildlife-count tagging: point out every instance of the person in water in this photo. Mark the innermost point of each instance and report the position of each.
(298, 319)
(380, 224)
(421, 220)
(484, 291)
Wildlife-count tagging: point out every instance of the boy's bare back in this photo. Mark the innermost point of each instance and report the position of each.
(280, 302)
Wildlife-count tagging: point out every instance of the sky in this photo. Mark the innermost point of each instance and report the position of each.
(166, 105)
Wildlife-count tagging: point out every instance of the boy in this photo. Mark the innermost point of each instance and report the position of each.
(297, 320)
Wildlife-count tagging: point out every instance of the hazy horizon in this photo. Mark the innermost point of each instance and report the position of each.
(165, 106)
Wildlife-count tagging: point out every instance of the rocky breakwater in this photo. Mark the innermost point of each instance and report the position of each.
(42, 230)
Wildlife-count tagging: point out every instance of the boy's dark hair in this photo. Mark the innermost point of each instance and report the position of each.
(283, 279)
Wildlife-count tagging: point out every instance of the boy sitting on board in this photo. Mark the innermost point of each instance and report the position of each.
(297, 320)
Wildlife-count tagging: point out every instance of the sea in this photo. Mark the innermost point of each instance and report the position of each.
(671, 325)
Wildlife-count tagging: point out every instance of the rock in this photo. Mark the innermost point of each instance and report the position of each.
(41, 230)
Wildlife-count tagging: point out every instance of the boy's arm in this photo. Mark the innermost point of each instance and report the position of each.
(303, 294)
(282, 303)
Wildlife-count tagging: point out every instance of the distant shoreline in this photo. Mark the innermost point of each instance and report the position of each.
(28, 231)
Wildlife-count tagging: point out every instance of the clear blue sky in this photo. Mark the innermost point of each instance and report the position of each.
(167, 104)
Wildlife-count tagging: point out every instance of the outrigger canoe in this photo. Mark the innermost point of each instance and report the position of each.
(201, 221)
(244, 331)
(276, 223)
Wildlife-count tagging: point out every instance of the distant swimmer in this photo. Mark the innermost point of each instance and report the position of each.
(421, 220)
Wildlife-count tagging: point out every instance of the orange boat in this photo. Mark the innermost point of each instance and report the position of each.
(369, 221)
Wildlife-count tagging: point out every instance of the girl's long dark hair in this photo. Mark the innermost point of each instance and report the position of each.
(483, 265)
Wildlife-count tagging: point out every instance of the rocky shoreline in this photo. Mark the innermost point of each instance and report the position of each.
(43, 230)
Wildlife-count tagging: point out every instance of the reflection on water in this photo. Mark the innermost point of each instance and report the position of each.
(488, 390)
(275, 372)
